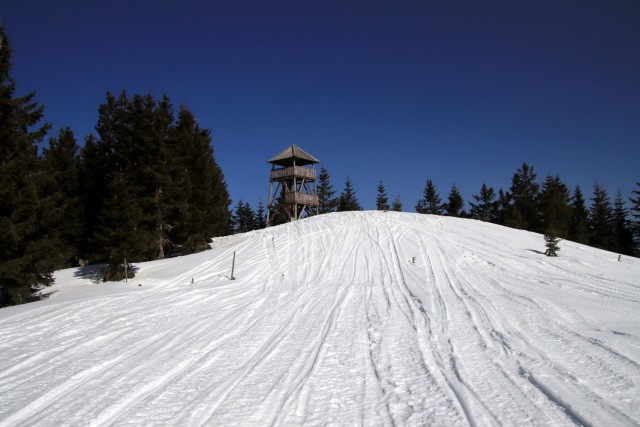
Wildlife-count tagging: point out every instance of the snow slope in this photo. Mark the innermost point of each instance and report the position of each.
(331, 320)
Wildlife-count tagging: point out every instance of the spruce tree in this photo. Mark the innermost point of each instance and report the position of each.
(623, 233)
(430, 202)
(382, 201)
(635, 212)
(396, 206)
(348, 200)
(94, 173)
(551, 243)
(117, 230)
(327, 203)
(523, 212)
(159, 186)
(24, 264)
(61, 197)
(260, 220)
(601, 220)
(579, 221)
(635, 201)
(503, 205)
(554, 206)
(126, 227)
(201, 208)
(485, 208)
(143, 145)
(234, 217)
(243, 217)
(159, 157)
(455, 203)
(250, 216)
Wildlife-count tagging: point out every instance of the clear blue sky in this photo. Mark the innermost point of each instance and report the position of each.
(398, 91)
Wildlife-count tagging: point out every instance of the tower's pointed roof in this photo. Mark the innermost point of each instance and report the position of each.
(291, 153)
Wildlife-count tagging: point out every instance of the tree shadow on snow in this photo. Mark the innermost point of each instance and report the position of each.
(96, 273)
(536, 251)
(90, 272)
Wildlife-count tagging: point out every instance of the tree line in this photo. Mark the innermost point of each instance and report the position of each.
(548, 208)
(145, 186)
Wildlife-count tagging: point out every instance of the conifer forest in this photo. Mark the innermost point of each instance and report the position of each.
(146, 186)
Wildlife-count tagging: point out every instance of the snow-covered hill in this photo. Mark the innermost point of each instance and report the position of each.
(353, 318)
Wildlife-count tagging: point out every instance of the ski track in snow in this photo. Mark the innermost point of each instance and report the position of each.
(365, 318)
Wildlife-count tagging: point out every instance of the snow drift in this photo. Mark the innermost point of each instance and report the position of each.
(352, 318)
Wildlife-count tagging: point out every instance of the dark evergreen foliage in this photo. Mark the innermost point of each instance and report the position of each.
(382, 201)
(200, 203)
(486, 207)
(118, 271)
(93, 180)
(132, 138)
(601, 220)
(152, 182)
(243, 218)
(147, 185)
(396, 206)
(26, 260)
(60, 198)
(455, 203)
(554, 206)
(623, 234)
(635, 213)
(502, 206)
(523, 211)
(430, 202)
(579, 222)
(348, 200)
(551, 243)
(260, 219)
(327, 202)
(635, 201)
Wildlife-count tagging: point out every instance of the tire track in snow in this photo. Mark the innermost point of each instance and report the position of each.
(148, 376)
(254, 322)
(312, 359)
(471, 327)
(78, 353)
(441, 343)
(431, 343)
(542, 353)
(490, 355)
(357, 335)
(344, 250)
(211, 355)
(402, 367)
(257, 359)
(72, 381)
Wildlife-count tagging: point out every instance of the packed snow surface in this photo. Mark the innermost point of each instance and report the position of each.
(366, 318)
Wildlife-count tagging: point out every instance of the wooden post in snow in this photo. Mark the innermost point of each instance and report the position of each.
(233, 265)
(126, 271)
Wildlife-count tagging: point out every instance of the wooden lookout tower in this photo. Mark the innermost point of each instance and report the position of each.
(292, 185)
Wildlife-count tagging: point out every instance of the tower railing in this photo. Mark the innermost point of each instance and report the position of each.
(291, 171)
